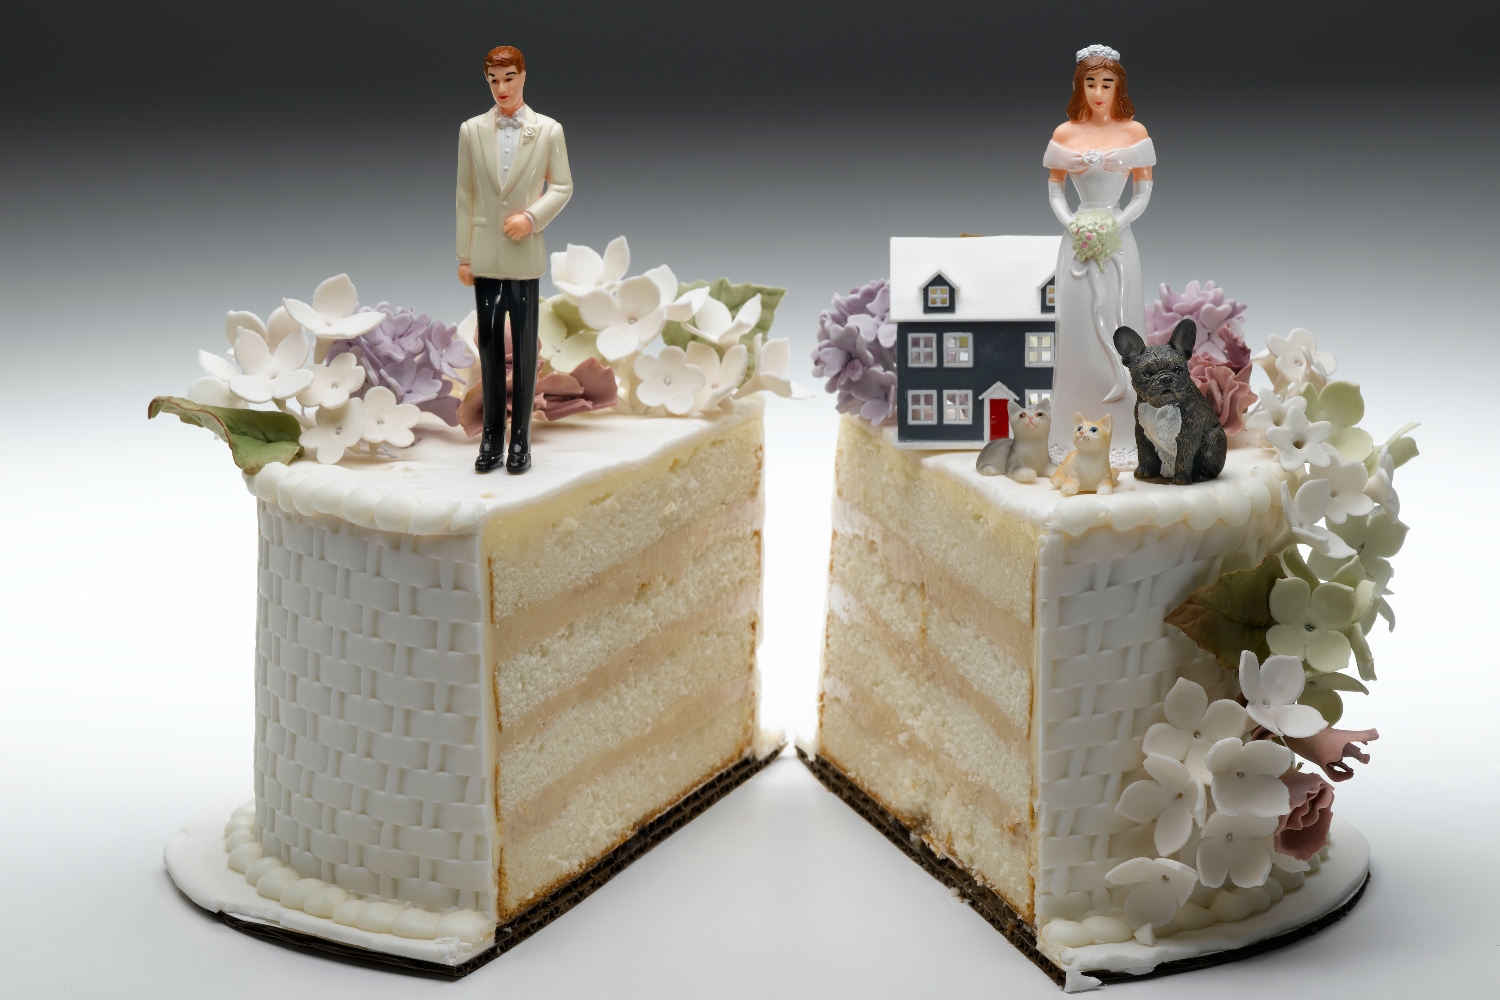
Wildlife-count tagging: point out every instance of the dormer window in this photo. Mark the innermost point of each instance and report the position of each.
(1049, 296)
(939, 295)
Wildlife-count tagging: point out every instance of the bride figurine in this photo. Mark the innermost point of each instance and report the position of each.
(1098, 268)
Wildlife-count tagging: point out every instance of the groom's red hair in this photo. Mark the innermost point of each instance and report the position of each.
(1078, 105)
(505, 55)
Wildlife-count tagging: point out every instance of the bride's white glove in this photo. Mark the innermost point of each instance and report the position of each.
(1140, 197)
(1059, 201)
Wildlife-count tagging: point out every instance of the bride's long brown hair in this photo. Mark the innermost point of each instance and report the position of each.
(1078, 105)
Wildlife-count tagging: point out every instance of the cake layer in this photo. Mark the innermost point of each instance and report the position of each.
(571, 544)
(709, 735)
(537, 777)
(628, 615)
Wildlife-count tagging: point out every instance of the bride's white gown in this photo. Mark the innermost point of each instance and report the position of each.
(1087, 376)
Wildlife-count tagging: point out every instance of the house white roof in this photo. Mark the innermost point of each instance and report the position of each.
(997, 277)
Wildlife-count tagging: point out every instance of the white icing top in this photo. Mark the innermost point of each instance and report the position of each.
(433, 488)
(1250, 483)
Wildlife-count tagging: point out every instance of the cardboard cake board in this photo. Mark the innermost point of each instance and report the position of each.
(189, 879)
(1346, 887)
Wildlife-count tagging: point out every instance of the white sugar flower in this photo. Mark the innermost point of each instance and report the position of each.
(712, 322)
(333, 382)
(331, 315)
(721, 376)
(580, 270)
(1294, 360)
(1193, 726)
(1304, 513)
(1347, 482)
(1271, 690)
(1270, 411)
(677, 307)
(1174, 799)
(1299, 440)
(627, 319)
(387, 421)
(668, 380)
(1381, 487)
(337, 428)
(1160, 887)
(1237, 847)
(1247, 777)
(265, 375)
(273, 331)
(213, 388)
(1311, 622)
(772, 358)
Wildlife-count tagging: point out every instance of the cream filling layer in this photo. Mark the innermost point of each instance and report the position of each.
(623, 665)
(928, 664)
(684, 716)
(882, 722)
(959, 598)
(665, 558)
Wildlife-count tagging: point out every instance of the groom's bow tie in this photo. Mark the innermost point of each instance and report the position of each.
(508, 121)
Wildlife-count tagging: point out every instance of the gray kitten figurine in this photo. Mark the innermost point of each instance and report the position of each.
(1178, 437)
(1022, 456)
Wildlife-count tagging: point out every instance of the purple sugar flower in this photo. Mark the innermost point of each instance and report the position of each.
(855, 352)
(1219, 320)
(413, 355)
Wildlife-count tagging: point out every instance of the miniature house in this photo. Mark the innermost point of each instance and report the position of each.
(975, 321)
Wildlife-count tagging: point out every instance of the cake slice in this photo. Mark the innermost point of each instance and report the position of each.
(478, 697)
(994, 654)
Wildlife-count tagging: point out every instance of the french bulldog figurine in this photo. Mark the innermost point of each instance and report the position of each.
(1023, 455)
(1178, 437)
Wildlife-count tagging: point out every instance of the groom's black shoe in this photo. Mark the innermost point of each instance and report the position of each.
(489, 455)
(519, 459)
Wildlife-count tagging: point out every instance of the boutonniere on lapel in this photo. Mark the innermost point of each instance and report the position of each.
(528, 132)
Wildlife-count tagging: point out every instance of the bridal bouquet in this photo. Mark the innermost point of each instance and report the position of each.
(1096, 235)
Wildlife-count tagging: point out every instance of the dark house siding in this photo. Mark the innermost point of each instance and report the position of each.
(999, 356)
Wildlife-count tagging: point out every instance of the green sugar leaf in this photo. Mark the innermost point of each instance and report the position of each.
(1232, 614)
(256, 438)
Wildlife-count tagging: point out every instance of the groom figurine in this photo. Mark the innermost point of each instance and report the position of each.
(513, 179)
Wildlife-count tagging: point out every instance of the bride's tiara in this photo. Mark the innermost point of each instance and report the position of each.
(1099, 50)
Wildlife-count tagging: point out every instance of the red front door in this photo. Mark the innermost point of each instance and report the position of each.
(999, 419)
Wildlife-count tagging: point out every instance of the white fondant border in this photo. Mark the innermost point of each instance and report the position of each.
(198, 863)
(1336, 881)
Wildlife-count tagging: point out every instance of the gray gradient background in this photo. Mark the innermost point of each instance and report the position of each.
(159, 166)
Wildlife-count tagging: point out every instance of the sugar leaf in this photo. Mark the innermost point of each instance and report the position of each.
(256, 438)
(1232, 614)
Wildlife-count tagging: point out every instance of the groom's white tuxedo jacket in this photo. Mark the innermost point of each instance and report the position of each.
(539, 182)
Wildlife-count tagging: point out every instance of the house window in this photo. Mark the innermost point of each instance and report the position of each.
(921, 406)
(1039, 350)
(1049, 296)
(958, 406)
(939, 297)
(921, 350)
(1034, 397)
(958, 350)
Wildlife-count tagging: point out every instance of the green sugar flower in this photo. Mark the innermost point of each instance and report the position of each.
(1311, 622)
(1374, 538)
(1341, 404)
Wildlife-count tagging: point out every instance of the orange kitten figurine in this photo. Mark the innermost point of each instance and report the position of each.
(1086, 469)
